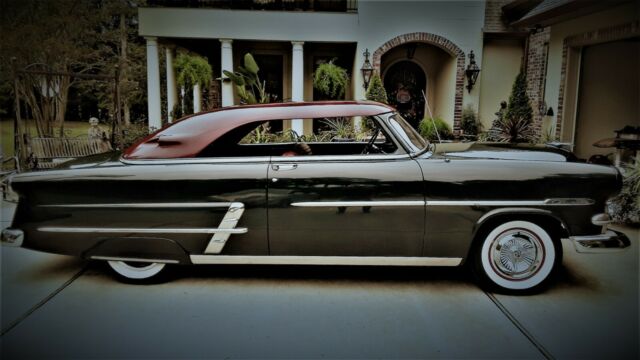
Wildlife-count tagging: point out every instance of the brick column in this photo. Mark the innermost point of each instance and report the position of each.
(536, 72)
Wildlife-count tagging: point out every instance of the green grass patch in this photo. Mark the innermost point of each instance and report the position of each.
(72, 129)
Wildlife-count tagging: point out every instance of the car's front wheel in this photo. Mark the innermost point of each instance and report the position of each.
(516, 256)
(136, 270)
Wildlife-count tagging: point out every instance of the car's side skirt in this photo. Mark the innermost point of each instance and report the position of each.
(326, 260)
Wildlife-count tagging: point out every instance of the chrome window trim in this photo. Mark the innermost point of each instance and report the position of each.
(326, 260)
(210, 160)
(117, 258)
(117, 230)
(337, 158)
(265, 160)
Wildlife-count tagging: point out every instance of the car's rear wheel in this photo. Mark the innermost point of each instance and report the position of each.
(136, 270)
(516, 256)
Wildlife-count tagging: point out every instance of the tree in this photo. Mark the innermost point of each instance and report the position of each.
(375, 91)
(516, 125)
(66, 36)
(56, 36)
(122, 52)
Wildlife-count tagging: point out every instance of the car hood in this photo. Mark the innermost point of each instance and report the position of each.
(504, 151)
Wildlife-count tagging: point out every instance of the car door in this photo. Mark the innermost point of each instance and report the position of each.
(356, 205)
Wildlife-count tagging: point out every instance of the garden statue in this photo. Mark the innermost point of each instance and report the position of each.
(97, 135)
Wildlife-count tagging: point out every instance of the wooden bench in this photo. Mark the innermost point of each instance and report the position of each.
(49, 152)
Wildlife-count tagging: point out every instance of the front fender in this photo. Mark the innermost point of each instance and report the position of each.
(495, 213)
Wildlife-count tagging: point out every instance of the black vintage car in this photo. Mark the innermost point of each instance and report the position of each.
(212, 189)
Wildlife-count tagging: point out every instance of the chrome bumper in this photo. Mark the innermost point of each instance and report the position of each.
(12, 237)
(608, 241)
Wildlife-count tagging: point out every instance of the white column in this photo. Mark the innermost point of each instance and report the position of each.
(297, 81)
(197, 98)
(226, 60)
(153, 84)
(172, 91)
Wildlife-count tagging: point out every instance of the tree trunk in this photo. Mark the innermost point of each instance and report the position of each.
(123, 69)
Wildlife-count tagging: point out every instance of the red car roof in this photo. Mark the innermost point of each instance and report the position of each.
(190, 135)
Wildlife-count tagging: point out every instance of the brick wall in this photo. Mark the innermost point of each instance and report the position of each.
(536, 73)
(493, 16)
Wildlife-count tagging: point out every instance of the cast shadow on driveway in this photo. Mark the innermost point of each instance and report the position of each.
(567, 277)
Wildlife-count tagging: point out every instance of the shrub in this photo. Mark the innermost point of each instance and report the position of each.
(519, 108)
(469, 121)
(132, 134)
(516, 125)
(625, 208)
(192, 70)
(376, 91)
(331, 80)
(427, 130)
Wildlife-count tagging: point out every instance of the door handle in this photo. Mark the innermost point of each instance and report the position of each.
(286, 167)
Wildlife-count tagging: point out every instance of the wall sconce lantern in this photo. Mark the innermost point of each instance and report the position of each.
(367, 69)
(472, 71)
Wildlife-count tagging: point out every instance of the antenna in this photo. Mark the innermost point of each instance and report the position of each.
(435, 128)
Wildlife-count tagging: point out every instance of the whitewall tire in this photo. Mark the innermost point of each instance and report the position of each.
(136, 271)
(517, 256)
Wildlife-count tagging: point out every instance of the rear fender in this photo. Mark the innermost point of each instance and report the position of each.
(143, 248)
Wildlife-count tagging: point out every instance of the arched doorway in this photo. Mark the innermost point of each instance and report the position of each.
(443, 63)
(405, 81)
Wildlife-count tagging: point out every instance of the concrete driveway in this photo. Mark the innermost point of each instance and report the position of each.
(56, 306)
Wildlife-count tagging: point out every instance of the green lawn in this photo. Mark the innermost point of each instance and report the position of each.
(72, 129)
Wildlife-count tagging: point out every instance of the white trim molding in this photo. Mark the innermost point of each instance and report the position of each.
(326, 260)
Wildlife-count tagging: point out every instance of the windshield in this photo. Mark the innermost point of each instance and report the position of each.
(408, 134)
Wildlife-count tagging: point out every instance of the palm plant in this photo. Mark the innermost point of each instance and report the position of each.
(250, 88)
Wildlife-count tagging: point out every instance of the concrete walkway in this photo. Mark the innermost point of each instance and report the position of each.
(56, 306)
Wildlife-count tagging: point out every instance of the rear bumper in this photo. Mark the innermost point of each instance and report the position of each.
(12, 237)
(608, 241)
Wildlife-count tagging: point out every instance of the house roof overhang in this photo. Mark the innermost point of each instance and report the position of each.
(549, 12)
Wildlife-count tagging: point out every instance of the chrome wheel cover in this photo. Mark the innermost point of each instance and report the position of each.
(516, 254)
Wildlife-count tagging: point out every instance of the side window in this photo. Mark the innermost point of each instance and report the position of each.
(269, 132)
(332, 136)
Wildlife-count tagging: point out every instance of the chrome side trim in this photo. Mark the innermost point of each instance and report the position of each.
(357, 203)
(145, 205)
(228, 223)
(325, 260)
(71, 229)
(113, 258)
(546, 202)
(221, 234)
(569, 201)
